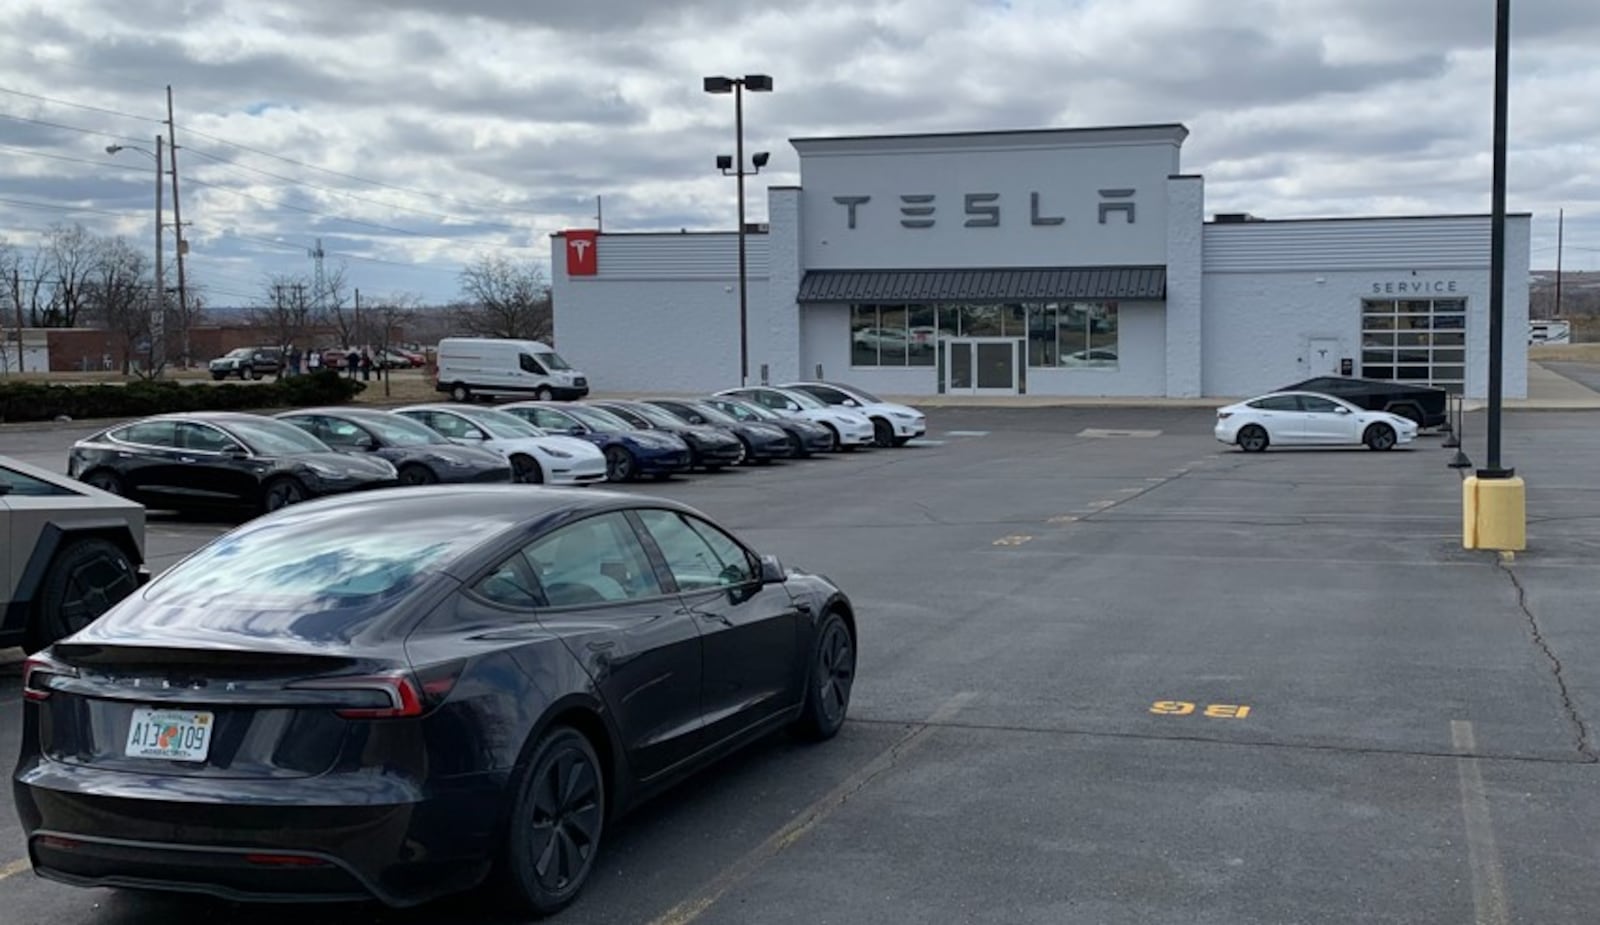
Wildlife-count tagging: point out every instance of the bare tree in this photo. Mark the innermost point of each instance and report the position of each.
(118, 292)
(287, 309)
(386, 317)
(337, 304)
(69, 252)
(505, 298)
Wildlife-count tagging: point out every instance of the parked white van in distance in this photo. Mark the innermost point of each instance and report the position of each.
(495, 367)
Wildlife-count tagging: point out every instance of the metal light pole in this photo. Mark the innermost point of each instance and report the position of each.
(755, 83)
(158, 314)
(1497, 243)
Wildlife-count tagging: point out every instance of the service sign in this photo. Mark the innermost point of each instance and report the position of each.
(583, 257)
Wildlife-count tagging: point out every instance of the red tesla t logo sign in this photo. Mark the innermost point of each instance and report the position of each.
(583, 258)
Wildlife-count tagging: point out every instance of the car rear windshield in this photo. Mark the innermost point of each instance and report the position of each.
(399, 431)
(316, 575)
(598, 418)
(275, 438)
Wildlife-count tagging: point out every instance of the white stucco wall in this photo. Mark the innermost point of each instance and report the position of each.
(1272, 287)
(662, 314)
(1184, 317)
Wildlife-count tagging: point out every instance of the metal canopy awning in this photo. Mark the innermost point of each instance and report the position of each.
(1007, 285)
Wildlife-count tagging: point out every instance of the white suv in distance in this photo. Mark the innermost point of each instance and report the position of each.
(850, 429)
(892, 424)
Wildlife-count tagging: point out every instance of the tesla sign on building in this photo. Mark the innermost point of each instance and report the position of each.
(1045, 262)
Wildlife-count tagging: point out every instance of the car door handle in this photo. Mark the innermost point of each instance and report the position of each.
(122, 455)
(186, 459)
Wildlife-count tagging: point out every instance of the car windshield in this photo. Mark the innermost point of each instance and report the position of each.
(503, 425)
(752, 409)
(274, 438)
(857, 394)
(398, 431)
(240, 352)
(319, 576)
(655, 415)
(805, 399)
(598, 418)
(711, 413)
(552, 360)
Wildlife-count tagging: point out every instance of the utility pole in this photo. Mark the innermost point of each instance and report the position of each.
(16, 299)
(179, 244)
(358, 317)
(158, 314)
(1561, 228)
(599, 215)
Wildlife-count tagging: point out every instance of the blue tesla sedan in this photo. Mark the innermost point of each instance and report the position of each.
(630, 453)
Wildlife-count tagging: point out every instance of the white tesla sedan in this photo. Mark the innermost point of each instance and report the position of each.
(1309, 419)
(850, 428)
(892, 424)
(536, 456)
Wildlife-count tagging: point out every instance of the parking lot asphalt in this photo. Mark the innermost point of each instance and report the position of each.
(1111, 671)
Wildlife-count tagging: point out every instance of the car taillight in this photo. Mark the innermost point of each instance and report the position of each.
(36, 674)
(392, 695)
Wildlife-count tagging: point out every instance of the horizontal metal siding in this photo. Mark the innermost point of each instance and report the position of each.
(1007, 285)
(688, 256)
(1397, 244)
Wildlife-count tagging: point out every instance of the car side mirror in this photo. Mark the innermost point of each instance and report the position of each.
(850, 403)
(772, 572)
(1340, 409)
(577, 430)
(234, 452)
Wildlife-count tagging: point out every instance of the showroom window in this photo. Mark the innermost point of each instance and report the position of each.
(1423, 341)
(1067, 335)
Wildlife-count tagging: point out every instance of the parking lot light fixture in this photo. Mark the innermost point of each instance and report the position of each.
(755, 83)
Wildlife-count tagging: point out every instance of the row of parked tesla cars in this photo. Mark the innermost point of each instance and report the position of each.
(206, 460)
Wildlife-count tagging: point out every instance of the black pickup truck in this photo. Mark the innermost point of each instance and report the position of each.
(1424, 404)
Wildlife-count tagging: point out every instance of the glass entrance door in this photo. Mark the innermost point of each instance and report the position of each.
(981, 366)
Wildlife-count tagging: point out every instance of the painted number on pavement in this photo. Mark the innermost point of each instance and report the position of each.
(1212, 711)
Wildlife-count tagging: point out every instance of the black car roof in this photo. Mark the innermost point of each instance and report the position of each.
(496, 506)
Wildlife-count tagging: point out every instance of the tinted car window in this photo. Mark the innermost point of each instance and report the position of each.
(592, 561)
(698, 555)
(273, 438)
(452, 426)
(1276, 403)
(529, 364)
(599, 418)
(29, 486)
(509, 585)
(828, 394)
(401, 431)
(633, 419)
(335, 432)
(319, 577)
(148, 433)
(550, 420)
(1318, 405)
(202, 437)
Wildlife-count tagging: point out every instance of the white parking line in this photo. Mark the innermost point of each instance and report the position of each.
(14, 868)
(1488, 881)
(692, 908)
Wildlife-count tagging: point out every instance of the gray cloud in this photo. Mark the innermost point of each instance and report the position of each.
(519, 112)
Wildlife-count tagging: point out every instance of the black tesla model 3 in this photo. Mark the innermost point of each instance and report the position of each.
(213, 459)
(422, 455)
(393, 695)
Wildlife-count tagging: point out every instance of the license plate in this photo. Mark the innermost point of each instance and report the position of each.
(176, 735)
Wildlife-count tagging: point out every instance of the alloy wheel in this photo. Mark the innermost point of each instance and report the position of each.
(283, 493)
(565, 828)
(836, 669)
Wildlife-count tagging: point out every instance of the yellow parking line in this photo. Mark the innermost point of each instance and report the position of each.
(14, 868)
(1483, 859)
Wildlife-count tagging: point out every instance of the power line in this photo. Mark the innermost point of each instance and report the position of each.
(120, 165)
(339, 192)
(24, 204)
(493, 207)
(73, 128)
(86, 106)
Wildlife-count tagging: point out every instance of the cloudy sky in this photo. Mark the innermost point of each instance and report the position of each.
(412, 135)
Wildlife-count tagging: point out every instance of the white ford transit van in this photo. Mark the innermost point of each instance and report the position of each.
(489, 366)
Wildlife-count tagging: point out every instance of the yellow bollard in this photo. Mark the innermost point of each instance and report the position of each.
(1494, 514)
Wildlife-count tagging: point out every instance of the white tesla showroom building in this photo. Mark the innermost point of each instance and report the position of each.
(1063, 262)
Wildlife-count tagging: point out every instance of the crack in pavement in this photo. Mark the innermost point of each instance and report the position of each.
(1585, 747)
